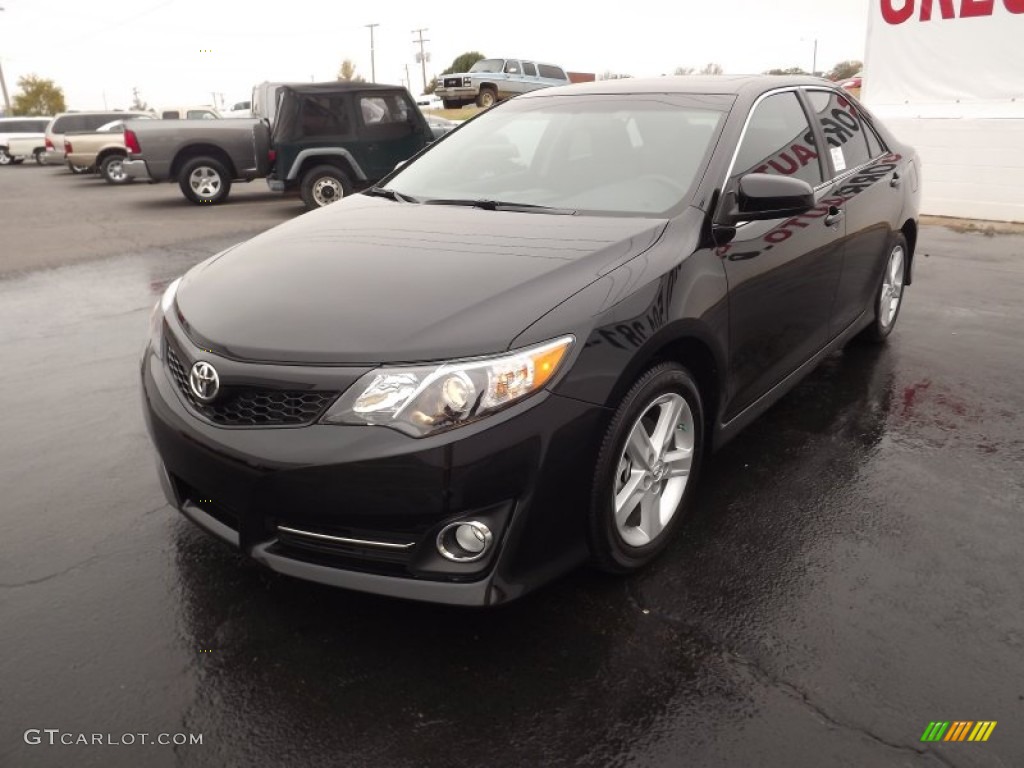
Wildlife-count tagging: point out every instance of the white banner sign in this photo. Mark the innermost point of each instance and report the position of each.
(946, 58)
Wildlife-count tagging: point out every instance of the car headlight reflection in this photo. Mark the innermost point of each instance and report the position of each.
(420, 400)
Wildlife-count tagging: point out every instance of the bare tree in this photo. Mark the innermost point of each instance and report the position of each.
(347, 72)
(684, 71)
(712, 69)
(844, 70)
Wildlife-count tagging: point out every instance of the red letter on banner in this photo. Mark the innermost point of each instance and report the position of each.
(945, 8)
(976, 8)
(1014, 6)
(892, 16)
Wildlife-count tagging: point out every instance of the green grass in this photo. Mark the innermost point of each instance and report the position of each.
(454, 114)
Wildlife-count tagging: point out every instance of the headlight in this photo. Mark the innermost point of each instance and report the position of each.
(161, 308)
(420, 400)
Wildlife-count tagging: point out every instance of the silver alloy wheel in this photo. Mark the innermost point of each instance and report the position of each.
(205, 181)
(653, 469)
(115, 170)
(892, 288)
(5, 159)
(327, 190)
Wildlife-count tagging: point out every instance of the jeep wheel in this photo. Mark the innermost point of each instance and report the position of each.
(112, 170)
(487, 98)
(204, 181)
(323, 185)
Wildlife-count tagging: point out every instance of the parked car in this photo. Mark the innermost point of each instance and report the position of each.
(75, 122)
(429, 101)
(491, 80)
(515, 353)
(853, 84)
(202, 112)
(239, 109)
(20, 148)
(29, 128)
(331, 139)
(102, 149)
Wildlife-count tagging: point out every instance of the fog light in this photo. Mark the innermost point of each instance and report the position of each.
(464, 542)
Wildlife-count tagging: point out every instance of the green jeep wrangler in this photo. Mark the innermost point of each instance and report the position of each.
(332, 139)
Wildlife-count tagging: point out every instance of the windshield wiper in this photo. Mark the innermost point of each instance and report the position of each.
(390, 194)
(499, 205)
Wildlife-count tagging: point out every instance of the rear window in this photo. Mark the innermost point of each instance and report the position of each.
(87, 121)
(546, 70)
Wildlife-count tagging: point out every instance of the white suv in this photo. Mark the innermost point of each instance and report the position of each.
(19, 128)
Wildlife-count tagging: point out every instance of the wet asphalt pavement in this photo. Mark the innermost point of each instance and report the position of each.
(854, 570)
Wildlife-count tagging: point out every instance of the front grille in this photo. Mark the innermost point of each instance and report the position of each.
(452, 82)
(248, 406)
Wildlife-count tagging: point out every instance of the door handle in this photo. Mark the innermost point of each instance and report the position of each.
(895, 181)
(835, 215)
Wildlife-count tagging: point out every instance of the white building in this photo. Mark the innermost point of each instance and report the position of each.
(947, 76)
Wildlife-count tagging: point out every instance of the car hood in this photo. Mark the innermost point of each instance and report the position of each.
(367, 280)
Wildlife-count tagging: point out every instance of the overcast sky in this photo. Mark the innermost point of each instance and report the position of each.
(99, 49)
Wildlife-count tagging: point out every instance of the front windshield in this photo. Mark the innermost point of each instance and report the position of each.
(488, 65)
(629, 154)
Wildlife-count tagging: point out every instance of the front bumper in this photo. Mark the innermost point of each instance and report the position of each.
(457, 94)
(525, 472)
(136, 169)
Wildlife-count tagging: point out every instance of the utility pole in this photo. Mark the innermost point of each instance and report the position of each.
(373, 66)
(814, 63)
(3, 85)
(423, 55)
(408, 80)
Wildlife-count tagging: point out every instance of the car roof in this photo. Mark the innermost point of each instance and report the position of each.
(339, 85)
(738, 85)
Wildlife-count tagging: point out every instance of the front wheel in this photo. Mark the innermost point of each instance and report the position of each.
(112, 170)
(79, 169)
(487, 98)
(646, 469)
(324, 185)
(889, 296)
(5, 159)
(204, 181)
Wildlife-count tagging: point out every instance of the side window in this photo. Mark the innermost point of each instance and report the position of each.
(170, 115)
(511, 67)
(779, 140)
(200, 114)
(553, 73)
(841, 125)
(529, 69)
(386, 116)
(874, 143)
(324, 116)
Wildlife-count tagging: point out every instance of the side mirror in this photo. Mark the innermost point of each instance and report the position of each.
(765, 196)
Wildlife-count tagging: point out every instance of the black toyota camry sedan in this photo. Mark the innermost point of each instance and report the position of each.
(514, 354)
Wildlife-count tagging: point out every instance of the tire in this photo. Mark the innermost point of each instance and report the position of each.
(79, 169)
(112, 171)
(488, 98)
(451, 104)
(627, 531)
(204, 181)
(323, 185)
(38, 155)
(5, 159)
(17, 160)
(888, 299)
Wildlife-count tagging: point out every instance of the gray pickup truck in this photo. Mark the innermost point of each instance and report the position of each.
(203, 156)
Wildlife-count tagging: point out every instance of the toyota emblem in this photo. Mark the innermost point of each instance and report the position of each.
(204, 381)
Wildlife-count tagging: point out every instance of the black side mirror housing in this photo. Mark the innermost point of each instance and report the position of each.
(765, 196)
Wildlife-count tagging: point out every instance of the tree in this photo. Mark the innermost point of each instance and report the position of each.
(39, 97)
(463, 62)
(347, 72)
(845, 70)
(684, 71)
(609, 75)
(712, 69)
(787, 71)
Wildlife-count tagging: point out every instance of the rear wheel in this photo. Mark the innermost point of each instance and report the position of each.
(646, 469)
(889, 296)
(112, 170)
(79, 169)
(204, 181)
(323, 185)
(38, 155)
